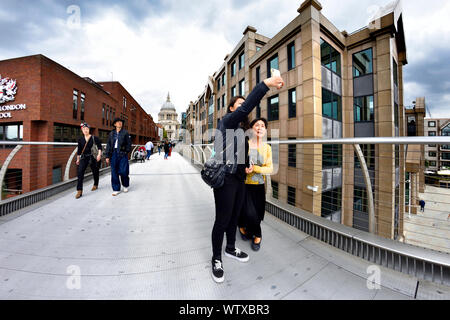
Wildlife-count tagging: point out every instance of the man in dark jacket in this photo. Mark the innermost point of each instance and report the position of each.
(117, 149)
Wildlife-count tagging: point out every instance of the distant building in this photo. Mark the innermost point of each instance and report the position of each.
(168, 118)
(437, 157)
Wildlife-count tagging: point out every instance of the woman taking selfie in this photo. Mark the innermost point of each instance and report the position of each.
(260, 155)
(230, 197)
(85, 156)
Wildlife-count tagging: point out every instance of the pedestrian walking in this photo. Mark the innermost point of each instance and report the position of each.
(159, 148)
(422, 205)
(230, 197)
(260, 158)
(117, 149)
(166, 150)
(170, 149)
(89, 152)
(149, 147)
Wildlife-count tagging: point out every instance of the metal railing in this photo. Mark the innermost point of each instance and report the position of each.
(34, 171)
(388, 180)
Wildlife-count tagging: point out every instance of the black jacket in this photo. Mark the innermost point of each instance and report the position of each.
(236, 156)
(124, 144)
(87, 150)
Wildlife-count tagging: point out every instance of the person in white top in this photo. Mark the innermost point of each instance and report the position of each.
(149, 148)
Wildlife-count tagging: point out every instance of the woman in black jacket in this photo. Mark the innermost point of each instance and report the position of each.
(229, 198)
(84, 157)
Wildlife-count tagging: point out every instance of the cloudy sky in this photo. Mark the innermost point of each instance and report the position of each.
(156, 46)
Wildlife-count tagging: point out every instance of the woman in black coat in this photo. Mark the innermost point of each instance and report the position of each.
(229, 198)
(85, 157)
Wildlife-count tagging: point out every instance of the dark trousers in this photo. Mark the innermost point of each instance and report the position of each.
(119, 168)
(149, 153)
(84, 162)
(229, 200)
(253, 209)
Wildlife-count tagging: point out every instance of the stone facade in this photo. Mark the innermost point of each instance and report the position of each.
(315, 58)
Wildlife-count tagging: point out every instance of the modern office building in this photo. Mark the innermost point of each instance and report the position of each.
(437, 157)
(43, 101)
(338, 85)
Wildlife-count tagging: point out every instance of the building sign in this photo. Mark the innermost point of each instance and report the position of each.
(8, 90)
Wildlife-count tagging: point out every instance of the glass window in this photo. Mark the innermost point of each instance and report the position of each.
(433, 163)
(395, 71)
(396, 115)
(432, 133)
(242, 87)
(233, 69)
(75, 104)
(241, 60)
(274, 189)
(360, 200)
(291, 56)
(363, 109)
(233, 91)
(445, 156)
(258, 75)
(218, 85)
(432, 124)
(258, 48)
(291, 196)
(331, 105)
(368, 151)
(83, 97)
(272, 63)
(292, 103)
(218, 104)
(432, 154)
(331, 58)
(331, 202)
(223, 101)
(272, 108)
(331, 156)
(292, 154)
(258, 111)
(362, 63)
(223, 79)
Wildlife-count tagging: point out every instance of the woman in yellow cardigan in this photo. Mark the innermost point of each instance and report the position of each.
(260, 158)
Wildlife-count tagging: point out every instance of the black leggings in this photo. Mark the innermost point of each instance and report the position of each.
(253, 209)
(229, 200)
(82, 169)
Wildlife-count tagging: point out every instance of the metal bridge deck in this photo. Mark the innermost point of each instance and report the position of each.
(154, 243)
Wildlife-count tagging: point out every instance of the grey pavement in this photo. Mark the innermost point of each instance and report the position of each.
(154, 242)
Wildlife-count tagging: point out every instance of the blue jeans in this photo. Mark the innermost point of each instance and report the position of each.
(149, 153)
(119, 167)
(166, 155)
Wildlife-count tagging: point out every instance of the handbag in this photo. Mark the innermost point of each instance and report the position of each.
(94, 149)
(213, 172)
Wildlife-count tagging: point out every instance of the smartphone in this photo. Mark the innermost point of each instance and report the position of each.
(275, 72)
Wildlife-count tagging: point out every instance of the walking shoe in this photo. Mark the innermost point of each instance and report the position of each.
(125, 190)
(256, 246)
(94, 188)
(79, 194)
(237, 254)
(217, 271)
(115, 193)
(244, 235)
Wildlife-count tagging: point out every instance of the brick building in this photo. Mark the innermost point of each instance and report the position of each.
(47, 102)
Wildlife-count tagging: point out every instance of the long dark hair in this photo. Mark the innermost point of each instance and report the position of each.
(244, 124)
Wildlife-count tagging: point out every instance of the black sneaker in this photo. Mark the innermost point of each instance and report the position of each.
(237, 254)
(217, 271)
